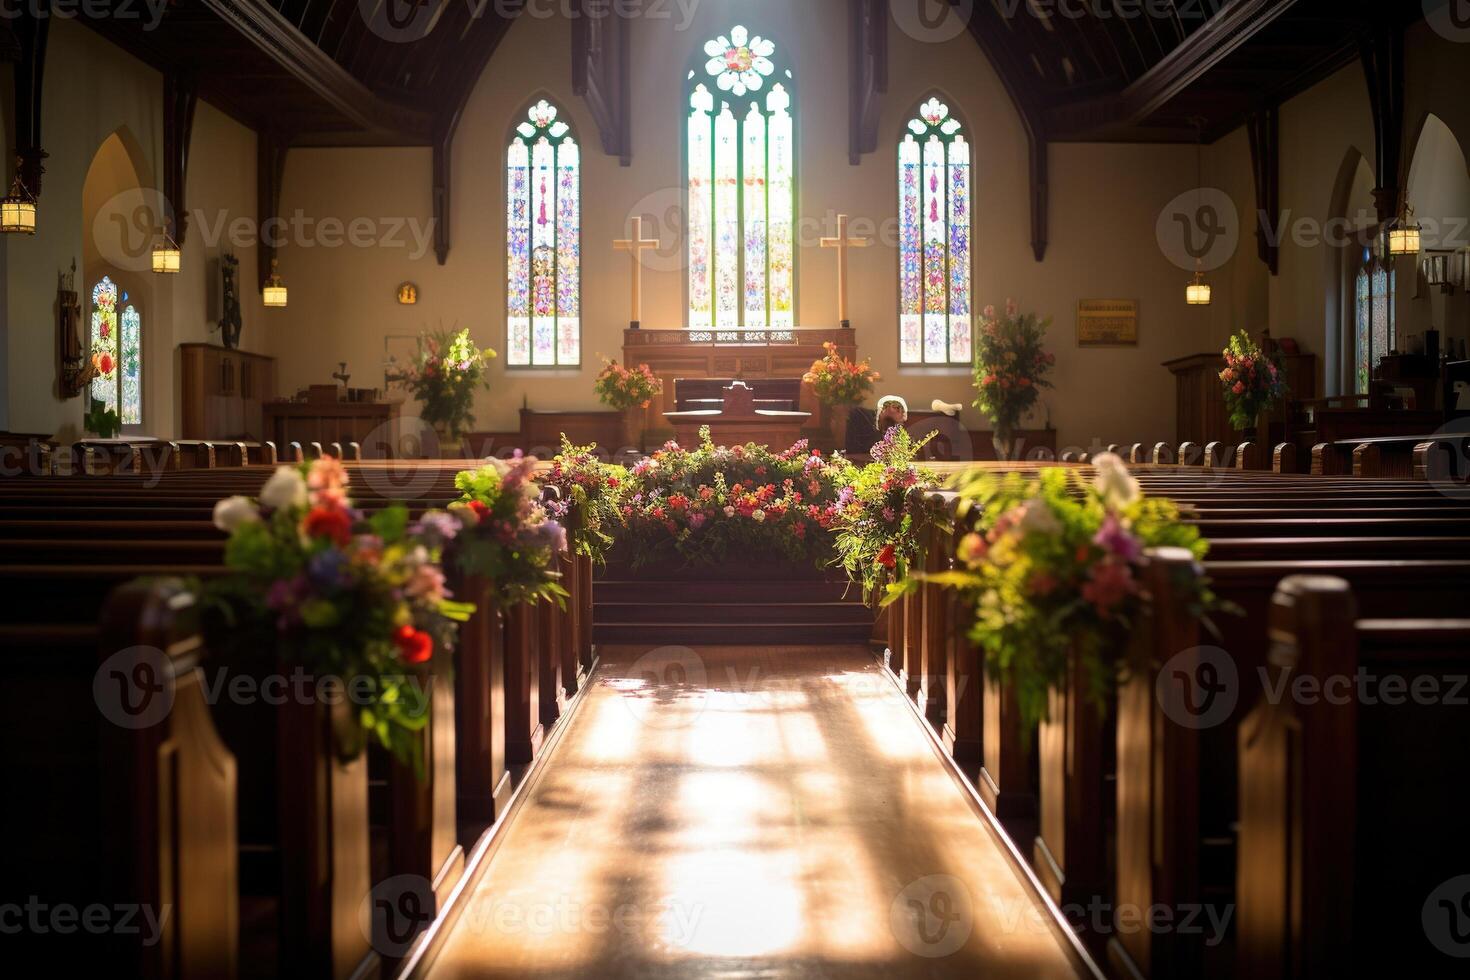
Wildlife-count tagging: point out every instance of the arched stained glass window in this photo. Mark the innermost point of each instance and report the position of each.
(934, 190)
(1374, 326)
(543, 229)
(117, 352)
(741, 198)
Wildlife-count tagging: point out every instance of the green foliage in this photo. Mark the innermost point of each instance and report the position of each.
(104, 421)
(588, 504)
(509, 538)
(884, 517)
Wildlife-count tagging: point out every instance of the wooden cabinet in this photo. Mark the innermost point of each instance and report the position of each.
(224, 392)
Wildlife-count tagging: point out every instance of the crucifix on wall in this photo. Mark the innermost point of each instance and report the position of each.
(842, 243)
(634, 246)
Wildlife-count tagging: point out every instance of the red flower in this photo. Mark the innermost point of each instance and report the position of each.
(329, 522)
(104, 364)
(414, 646)
(885, 557)
(481, 509)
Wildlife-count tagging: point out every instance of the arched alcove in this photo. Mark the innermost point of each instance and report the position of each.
(121, 216)
(1439, 190)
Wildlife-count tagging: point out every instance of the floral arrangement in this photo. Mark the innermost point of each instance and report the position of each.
(321, 586)
(882, 517)
(623, 388)
(508, 536)
(705, 505)
(587, 505)
(1254, 381)
(838, 381)
(1051, 570)
(1010, 366)
(444, 376)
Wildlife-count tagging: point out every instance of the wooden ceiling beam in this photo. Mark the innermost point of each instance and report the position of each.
(1226, 32)
(275, 36)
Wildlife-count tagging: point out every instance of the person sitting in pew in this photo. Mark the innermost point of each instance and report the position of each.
(865, 428)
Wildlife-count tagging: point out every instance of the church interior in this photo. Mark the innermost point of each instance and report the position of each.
(735, 488)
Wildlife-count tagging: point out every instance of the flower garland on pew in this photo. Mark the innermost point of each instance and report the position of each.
(508, 536)
(1051, 571)
(882, 518)
(703, 506)
(314, 583)
(588, 503)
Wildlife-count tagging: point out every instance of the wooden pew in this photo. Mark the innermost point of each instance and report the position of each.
(1352, 827)
(138, 807)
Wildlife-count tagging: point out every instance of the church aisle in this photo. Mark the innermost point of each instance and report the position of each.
(748, 813)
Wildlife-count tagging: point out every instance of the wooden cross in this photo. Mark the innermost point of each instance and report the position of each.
(842, 243)
(635, 246)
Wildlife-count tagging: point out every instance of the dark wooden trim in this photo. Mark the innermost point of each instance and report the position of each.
(270, 164)
(443, 145)
(995, 42)
(180, 96)
(1265, 139)
(31, 32)
(600, 74)
(867, 74)
(1382, 52)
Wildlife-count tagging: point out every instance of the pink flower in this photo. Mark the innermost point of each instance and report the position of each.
(1108, 584)
(1239, 387)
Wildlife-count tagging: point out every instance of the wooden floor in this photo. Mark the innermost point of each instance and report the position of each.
(748, 813)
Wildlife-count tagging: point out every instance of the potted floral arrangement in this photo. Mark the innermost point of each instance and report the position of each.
(1051, 573)
(1253, 381)
(508, 536)
(882, 517)
(353, 601)
(839, 384)
(446, 372)
(630, 391)
(1010, 369)
(706, 507)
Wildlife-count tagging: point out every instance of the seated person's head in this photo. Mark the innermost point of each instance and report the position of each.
(892, 410)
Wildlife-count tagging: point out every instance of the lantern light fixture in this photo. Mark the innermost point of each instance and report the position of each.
(18, 208)
(274, 291)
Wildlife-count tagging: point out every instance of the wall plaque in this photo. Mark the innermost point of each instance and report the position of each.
(1107, 322)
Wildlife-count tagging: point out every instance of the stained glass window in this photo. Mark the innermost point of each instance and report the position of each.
(934, 190)
(1374, 327)
(117, 352)
(543, 244)
(742, 193)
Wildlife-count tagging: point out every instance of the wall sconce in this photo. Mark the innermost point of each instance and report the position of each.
(274, 291)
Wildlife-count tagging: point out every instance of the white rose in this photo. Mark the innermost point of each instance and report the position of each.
(729, 511)
(1040, 518)
(759, 515)
(1114, 483)
(232, 512)
(285, 488)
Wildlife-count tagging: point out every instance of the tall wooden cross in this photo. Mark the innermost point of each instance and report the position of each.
(634, 247)
(842, 243)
